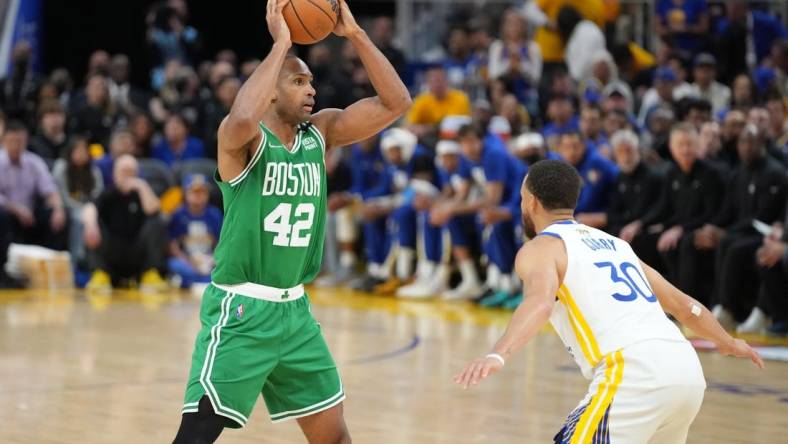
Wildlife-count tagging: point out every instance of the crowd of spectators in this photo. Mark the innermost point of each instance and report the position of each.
(682, 149)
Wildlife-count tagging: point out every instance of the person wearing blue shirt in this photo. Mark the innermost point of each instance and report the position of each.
(454, 185)
(193, 232)
(685, 21)
(177, 144)
(367, 166)
(385, 219)
(760, 29)
(599, 177)
(496, 172)
(562, 118)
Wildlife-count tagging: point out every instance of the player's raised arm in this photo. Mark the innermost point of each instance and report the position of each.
(368, 116)
(538, 264)
(694, 315)
(239, 131)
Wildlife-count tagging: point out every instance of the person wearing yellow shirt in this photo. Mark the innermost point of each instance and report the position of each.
(439, 101)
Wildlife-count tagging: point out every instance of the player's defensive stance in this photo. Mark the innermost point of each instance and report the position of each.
(607, 307)
(258, 335)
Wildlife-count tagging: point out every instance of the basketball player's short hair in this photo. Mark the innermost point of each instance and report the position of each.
(555, 183)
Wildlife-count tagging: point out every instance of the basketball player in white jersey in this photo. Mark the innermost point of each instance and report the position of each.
(608, 308)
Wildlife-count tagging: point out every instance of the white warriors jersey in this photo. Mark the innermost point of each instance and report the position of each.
(605, 302)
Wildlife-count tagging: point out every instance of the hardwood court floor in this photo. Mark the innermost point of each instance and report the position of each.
(75, 369)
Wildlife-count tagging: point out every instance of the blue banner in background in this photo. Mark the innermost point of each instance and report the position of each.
(20, 20)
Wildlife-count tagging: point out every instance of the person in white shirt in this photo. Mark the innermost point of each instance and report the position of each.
(583, 42)
(706, 87)
(513, 54)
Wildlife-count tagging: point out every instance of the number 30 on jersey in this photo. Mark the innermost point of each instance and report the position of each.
(290, 234)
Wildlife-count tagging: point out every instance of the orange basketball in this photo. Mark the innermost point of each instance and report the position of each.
(310, 21)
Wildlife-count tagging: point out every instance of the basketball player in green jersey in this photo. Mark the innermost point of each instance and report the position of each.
(258, 335)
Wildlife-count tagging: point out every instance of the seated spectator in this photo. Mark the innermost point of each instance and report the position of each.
(126, 96)
(458, 58)
(743, 93)
(662, 93)
(772, 257)
(562, 119)
(456, 188)
(439, 101)
(193, 233)
(710, 146)
(366, 177)
(706, 87)
(80, 182)
(684, 21)
(495, 171)
(50, 141)
(431, 265)
(177, 144)
(598, 174)
(637, 187)
(214, 111)
(591, 131)
(657, 135)
(732, 126)
(514, 113)
(694, 111)
(124, 235)
(31, 209)
(170, 38)
(757, 191)
(690, 198)
(516, 59)
(143, 133)
(121, 143)
(389, 225)
(98, 114)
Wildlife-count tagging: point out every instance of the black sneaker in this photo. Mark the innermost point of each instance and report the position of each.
(10, 283)
(778, 329)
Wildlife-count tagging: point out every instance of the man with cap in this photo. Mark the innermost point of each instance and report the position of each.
(706, 86)
(193, 233)
(665, 81)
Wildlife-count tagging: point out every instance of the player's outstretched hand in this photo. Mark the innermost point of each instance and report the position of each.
(741, 349)
(277, 25)
(477, 370)
(346, 24)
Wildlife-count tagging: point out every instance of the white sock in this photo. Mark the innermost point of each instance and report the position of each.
(404, 262)
(425, 270)
(493, 277)
(505, 283)
(347, 259)
(468, 272)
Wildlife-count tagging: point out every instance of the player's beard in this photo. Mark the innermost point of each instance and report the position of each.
(528, 225)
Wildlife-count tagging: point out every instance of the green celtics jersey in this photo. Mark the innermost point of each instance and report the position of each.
(274, 214)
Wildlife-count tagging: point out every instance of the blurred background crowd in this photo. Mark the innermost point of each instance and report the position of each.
(679, 132)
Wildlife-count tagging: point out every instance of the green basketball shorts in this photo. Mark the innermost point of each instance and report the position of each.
(248, 346)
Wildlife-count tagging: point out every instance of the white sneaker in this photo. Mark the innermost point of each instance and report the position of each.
(465, 291)
(756, 323)
(423, 288)
(724, 317)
